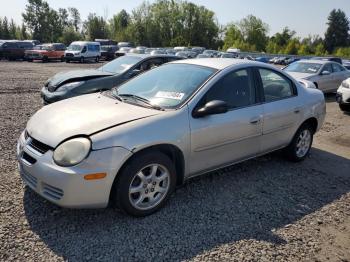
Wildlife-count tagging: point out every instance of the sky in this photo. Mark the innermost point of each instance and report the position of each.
(306, 17)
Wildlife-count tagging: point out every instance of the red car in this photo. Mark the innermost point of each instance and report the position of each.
(46, 52)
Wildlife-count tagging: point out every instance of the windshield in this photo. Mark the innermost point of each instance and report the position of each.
(74, 48)
(168, 85)
(121, 64)
(303, 67)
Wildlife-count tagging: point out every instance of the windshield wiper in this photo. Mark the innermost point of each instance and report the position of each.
(139, 98)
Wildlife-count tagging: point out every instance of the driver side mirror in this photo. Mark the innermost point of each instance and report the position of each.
(211, 108)
(325, 73)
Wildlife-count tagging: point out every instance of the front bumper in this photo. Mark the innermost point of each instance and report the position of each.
(343, 95)
(66, 186)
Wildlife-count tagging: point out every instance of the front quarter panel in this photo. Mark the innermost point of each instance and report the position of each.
(169, 127)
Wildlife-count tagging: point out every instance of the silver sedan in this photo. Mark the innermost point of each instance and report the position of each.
(326, 75)
(133, 145)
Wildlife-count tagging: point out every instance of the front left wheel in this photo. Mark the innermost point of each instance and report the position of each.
(145, 184)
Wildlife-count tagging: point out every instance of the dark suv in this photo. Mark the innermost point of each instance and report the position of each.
(108, 48)
(13, 50)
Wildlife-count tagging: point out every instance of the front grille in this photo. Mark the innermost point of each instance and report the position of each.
(52, 192)
(29, 179)
(69, 55)
(27, 158)
(38, 146)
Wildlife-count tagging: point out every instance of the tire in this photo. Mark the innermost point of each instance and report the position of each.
(67, 60)
(152, 192)
(345, 108)
(97, 59)
(62, 58)
(45, 59)
(82, 60)
(301, 144)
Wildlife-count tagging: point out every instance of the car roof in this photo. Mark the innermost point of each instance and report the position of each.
(218, 63)
(150, 56)
(314, 61)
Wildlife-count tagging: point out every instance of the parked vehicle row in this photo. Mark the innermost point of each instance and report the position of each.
(326, 75)
(14, 50)
(132, 145)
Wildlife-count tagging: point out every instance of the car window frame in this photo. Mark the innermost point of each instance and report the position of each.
(342, 69)
(322, 68)
(261, 85)
(251, 74)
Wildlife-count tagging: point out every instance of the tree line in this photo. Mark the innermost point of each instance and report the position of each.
(174, 23)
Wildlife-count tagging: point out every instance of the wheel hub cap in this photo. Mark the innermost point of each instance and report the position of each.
(303, 144)
(149, 187)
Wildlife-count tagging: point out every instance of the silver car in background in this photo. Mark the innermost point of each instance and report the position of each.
(133, 145)
(326, 75)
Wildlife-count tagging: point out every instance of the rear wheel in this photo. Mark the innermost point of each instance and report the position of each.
(82, 60)
(97, 59)
(45, 59)
(300, 146)
(145, 184)
(62, 58)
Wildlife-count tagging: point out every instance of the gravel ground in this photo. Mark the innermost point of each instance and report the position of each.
(265, 209)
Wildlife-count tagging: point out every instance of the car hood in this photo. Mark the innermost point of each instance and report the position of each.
(83, 115)
(298, 76)
(75, 75)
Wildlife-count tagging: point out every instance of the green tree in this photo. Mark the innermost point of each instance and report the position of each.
(96, 27)
(337, 34)
(23, 32)
(119, 26)
(320, 50)
(69, 35)
(42, 21)
(75, 19)
(5, 29)
(292, 47)
(233, 37)
(13, 30)
(254, 32)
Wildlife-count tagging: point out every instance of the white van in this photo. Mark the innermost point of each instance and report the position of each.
(83, 51)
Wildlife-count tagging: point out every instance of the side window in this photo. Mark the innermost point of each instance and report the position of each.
(327, 67)
(337, 68)
(275, 85)
(84, 49)
(151, 63)
(237, 89)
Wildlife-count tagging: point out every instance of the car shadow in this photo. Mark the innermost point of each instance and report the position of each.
(244, 201)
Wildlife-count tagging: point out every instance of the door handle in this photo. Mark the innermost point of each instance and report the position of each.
(254, 120)
(297, 110)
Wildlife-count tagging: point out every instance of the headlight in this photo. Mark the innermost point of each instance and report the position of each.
(70, 86)
(72, 152)
(345, 84)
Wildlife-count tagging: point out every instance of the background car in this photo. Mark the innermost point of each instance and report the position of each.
(343, 95)
(108, 48)
(331, 58)
(83, 51)
(327, 76)
(13, 50)
(78, 82)
(132, 146)
(46, 52)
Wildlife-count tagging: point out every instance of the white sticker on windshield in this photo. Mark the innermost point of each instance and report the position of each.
(312, 69)
(170, 95)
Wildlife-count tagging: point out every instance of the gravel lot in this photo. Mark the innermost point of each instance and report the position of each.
(265, 209)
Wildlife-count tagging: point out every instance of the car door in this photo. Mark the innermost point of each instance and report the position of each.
(281, 109)
(326, 81)
(224, 138)
(340, 74)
